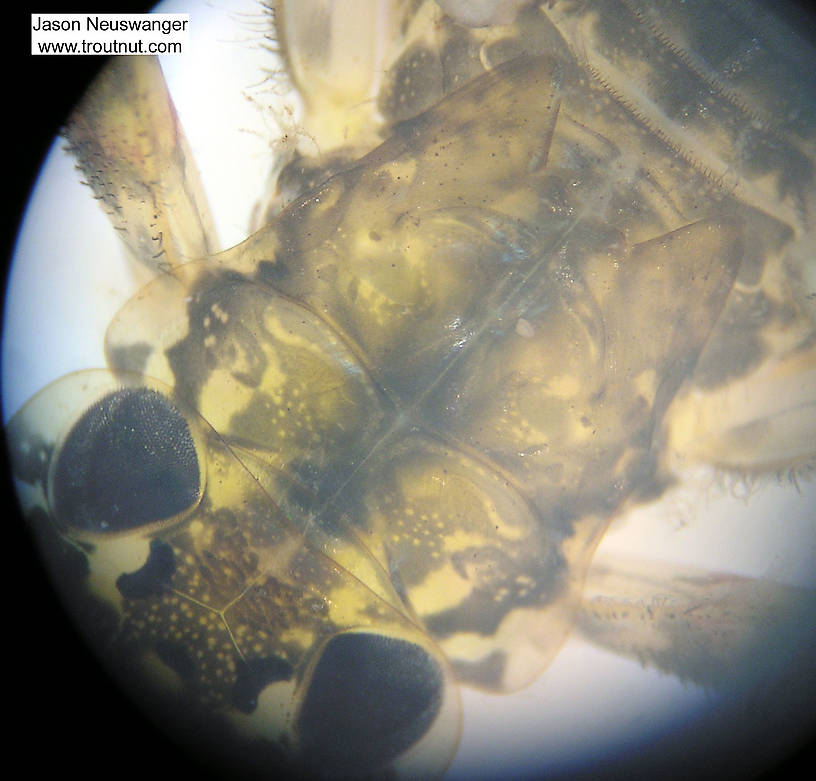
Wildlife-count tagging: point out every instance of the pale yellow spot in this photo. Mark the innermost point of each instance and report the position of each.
(646, 383)
(524, 328)
(565, 386)
(442, 589)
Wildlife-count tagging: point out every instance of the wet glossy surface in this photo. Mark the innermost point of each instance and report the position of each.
(526, 405)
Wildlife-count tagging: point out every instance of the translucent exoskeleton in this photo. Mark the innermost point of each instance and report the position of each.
(520, 270)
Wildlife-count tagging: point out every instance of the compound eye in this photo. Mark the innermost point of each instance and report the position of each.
(370, 699)
(128, 462)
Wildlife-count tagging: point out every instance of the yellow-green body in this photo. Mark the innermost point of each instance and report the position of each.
(523, 294)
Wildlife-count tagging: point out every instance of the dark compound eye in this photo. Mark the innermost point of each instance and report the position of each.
(370, 699)
(129, 460)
